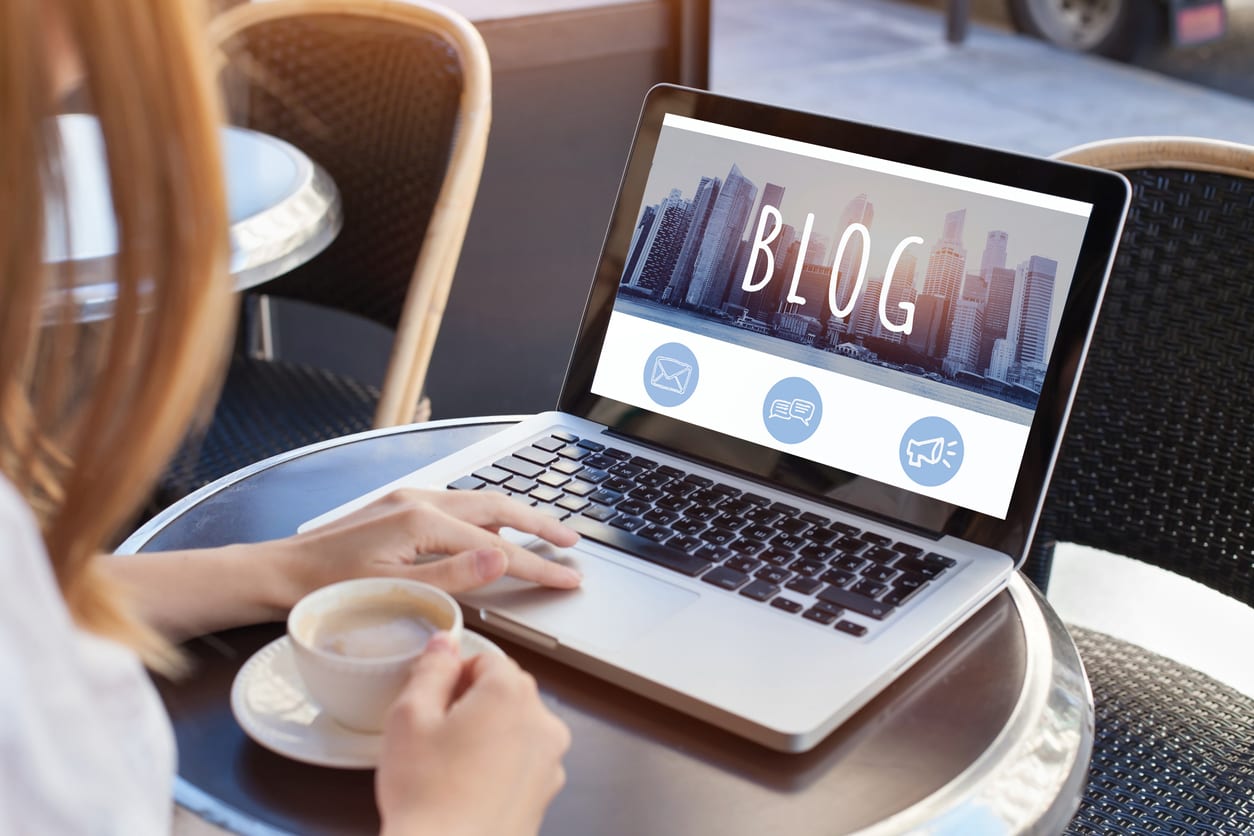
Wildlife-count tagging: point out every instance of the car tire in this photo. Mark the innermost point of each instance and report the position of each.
(1119, 29)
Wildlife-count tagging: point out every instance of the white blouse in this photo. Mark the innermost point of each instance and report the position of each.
(85, 745)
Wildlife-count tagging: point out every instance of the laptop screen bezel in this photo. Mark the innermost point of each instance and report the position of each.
(1106, 191)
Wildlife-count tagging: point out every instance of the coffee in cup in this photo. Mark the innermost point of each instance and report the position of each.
(354, 643)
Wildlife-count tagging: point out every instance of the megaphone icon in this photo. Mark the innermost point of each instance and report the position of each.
(924, 452)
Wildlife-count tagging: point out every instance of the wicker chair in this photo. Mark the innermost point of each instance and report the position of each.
(393, 100)
(1157, 465)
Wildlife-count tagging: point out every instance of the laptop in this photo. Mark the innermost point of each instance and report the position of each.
(810, 413)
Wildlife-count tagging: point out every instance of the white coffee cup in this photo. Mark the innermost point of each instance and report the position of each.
(354, 643)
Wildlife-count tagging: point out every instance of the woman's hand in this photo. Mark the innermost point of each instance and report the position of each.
(468, 749)
(449, 539)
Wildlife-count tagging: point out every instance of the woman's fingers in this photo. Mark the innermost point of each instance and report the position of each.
(433, 685)
(463, 571)
(494, 510)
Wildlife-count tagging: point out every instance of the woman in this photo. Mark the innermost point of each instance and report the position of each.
(87, 420)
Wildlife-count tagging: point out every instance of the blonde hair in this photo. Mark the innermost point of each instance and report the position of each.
(89, 415)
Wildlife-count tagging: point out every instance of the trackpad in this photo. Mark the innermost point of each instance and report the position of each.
(613, 605)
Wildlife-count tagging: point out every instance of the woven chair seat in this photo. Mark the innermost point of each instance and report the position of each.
(1174, 748)
(269, 407)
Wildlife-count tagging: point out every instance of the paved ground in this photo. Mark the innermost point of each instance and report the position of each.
(886, 62)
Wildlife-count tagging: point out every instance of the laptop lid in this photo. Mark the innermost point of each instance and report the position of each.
(882, 321)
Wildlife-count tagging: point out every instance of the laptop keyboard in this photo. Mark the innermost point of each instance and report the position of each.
(796, 561)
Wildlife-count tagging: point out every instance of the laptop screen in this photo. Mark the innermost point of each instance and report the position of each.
(887, 320)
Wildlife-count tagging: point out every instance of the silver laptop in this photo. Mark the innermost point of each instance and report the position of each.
(810, 414)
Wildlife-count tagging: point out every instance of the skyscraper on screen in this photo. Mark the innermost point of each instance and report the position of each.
(712, 270)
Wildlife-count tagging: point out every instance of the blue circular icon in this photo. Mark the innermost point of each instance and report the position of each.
(792, 410)
(931, 451)
(670, 374)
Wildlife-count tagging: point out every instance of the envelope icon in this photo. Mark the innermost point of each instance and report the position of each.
(670, 374)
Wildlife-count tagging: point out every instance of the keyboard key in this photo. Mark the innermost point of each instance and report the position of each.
(599, 461)
(656, 533)
(551, 444)
(807, 568)
(881, 554)
(849, 563)
(546, 494)
(735, 507)
(491, 475)
(685, 543)
(821, 616)
(707, 496)
(845, 528)
(568, 468)
(535, 456)
(817, 553)
(816, 519)
(760, 591)
(919, 566)
(907, 549)
(899, 595)
(794, 526)
(742, 564)
(687, 526)
(934, 559)
(657, 515)
(604, 497)
(785, 510)
(673, 503)
(773, 574)
(729, 522)
(758, 532)
(711, 553)
(850, 545)
(553, 480)
(627, 469)
(749, 548)
(618, 483)
(755, 499)
(853, 601)
(646, 494)
(829, 607)
(515, 465)
(569, 438)
(572, 503)
(777, 557)
(761, 514)
(652, 479)
(634, 507)
(519, 484)
(642, 462)
(823, 536)
(806, 586)
(699, 481)
(670, 472)
(870, 589)
(599, 513)
(725, 490)
(883, 574)
(663, 556)
(579, 488)
(589, 444)
(787, 605)
(909, 580)
(718, 536)
(787, 542)
(876, 539)
(553, 511)
(725, 578)
(702, 514)
(846, 626)
(681, 488)
(466, 483)
(615, 453)
(837, 577)
(627, 522)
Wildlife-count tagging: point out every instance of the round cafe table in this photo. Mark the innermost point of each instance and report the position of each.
(284, 209)
(990, 733)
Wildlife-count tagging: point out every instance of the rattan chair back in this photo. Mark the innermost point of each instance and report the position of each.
(393, 100)
(1158, 459)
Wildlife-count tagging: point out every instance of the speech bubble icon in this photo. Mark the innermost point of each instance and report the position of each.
(802, 410)
(781, 409)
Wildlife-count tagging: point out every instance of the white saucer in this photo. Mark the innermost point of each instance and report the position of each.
(271, 705)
